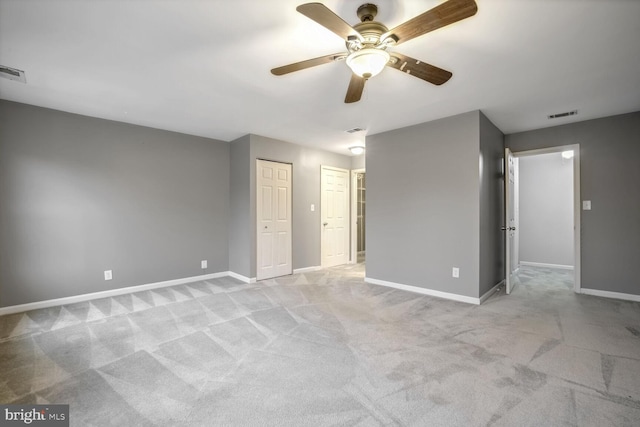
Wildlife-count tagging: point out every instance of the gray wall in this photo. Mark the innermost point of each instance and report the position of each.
(358, 162)
(240, 243)
(81, 195)
(491, 205)
(423, 203)
(306, 191)
(610, 178)
(546, 209)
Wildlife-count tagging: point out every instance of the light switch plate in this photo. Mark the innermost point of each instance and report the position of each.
(586, 205)
(108, 275)
(313, 208)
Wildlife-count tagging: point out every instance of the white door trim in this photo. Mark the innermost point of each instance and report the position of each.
(577, 205)
(354, 215)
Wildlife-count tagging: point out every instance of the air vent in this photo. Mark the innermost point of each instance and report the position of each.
(354, 130)
(566, 114)
(12, 74)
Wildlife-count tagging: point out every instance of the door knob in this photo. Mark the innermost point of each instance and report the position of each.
(507, 228)
(325, 224)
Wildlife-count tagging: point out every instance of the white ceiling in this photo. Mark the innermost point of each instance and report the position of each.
(202, 67)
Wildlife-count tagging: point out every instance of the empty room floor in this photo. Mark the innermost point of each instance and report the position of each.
(325, 348)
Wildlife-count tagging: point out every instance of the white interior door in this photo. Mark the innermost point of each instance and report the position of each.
(510, 222)
(334, 206)
(273, 212)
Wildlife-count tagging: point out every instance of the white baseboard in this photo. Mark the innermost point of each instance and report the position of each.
(240, 277)
(545, 265)
(424, 291)
(609, 294)
(307, 269)
(246, 279)
(105, 294)
(490, 292)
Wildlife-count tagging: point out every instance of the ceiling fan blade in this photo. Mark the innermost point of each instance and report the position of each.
(419, 69)
(297, 66)
(356, 87)
(442, 15)
(325, 17)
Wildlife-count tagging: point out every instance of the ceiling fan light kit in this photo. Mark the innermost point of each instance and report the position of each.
(368, 62)
(368, 40)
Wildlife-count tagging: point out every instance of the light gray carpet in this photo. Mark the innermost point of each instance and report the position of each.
(325, 348)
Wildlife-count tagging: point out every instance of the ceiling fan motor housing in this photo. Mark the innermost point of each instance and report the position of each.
(367, 12)
(370, 32)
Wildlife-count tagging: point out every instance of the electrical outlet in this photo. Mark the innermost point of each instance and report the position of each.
(455, 272)
(203, 264)
(108, 275)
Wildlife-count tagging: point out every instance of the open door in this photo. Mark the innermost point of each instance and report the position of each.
(510, 227)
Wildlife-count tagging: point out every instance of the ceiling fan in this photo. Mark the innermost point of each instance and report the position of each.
(368, 40)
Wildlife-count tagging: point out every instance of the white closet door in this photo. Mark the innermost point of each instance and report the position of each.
(273, 212)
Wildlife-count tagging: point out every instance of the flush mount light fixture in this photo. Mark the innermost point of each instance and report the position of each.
(357, 149)
(567, 154)
(368, 62)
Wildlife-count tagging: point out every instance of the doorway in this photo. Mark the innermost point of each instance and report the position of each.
(273, 215)
(358, 216)
(542, 233)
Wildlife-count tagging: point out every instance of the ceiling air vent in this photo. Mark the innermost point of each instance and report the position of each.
(12, 74)
(354, 130)
(559, 115)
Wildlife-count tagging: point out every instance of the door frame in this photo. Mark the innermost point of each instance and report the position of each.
(577, 205)
(348, 209)
(353, 253)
